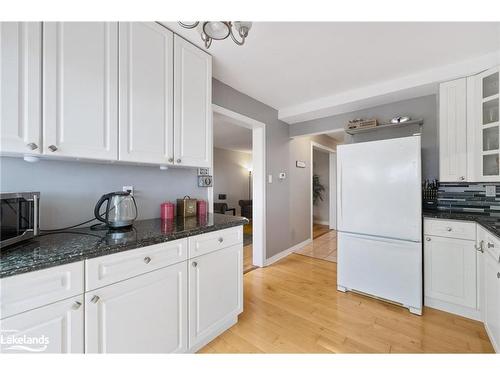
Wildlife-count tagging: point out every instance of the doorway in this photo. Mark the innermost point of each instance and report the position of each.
(251, 200)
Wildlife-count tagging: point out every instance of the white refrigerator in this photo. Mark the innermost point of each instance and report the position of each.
(379, 215)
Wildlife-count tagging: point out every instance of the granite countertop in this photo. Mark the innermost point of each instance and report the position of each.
(490, 223)
(54, 249)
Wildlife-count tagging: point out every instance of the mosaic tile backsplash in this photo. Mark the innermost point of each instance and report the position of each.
(468, 198)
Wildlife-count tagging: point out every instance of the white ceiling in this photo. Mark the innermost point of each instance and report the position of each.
(229, 136)
(289, 65)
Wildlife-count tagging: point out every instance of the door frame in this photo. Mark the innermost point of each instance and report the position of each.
(258, 181)
(332, 191)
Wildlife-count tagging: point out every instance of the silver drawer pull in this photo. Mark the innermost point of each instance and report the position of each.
(76, 305)
(194, 264)
(147, 260)
(178, 161)
(480, 247)
(52, 148)
(462, 178)
(95, 299)
(427, 238)
(490, 245)
(220, 239)
(498, 275)
(32, 146)
(448, 229)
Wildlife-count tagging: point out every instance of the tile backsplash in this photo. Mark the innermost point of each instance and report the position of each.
(469, 197)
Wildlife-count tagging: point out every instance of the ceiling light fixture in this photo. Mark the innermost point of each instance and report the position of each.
(219, 30)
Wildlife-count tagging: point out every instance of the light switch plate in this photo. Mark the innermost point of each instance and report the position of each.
(270, 178)
(491, 190)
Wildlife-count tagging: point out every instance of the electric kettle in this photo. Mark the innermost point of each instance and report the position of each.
(121, 209)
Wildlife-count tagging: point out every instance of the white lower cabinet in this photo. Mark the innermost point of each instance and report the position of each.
(55, 328)
(491, 313)
(144, 314)
(215, 294)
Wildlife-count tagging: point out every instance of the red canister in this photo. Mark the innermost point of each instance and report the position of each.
(167, 211)
(201, 208)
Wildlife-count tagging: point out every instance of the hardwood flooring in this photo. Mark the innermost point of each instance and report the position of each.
(248, 259)
(323, 247)
(293, 306)
(319, 230)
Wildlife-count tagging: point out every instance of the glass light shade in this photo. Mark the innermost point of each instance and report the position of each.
(242, 27)
(216, 30)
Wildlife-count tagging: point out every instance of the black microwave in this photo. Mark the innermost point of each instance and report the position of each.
(19, 217)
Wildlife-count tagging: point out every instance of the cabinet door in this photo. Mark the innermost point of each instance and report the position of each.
(450, 270)
(146, 93)
(144, 314)
(55, 328)
(492, 299)
(452, 130)
(215, 292)
(485, 122)
(20, 85)
(192, 105)
(80, 92)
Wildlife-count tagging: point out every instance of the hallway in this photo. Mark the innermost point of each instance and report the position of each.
(323, 247)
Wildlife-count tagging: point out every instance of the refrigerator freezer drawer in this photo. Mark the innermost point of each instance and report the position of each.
(386, 268)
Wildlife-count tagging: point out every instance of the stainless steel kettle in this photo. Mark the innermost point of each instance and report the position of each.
(121, 209)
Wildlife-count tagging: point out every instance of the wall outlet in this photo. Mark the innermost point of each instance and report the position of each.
(129, 188)
(491, 190)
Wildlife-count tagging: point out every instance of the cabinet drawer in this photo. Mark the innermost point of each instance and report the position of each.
(491, 245)
(212, 241)
(450, 228)
(110, 269)
(39, 288)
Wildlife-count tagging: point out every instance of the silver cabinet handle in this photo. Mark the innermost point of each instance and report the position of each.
(194, 264)
(178, 160)
(462, 178)
(147, 260)
(170, 160)
(52, 148)
(448, 229)
(490, 245)
(498, 275)
(95, 299)
(32, 146)
(220, 239)
(427, 238)
(76, 305)
(480, 247)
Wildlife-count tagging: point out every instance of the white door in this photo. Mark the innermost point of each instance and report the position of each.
(452, 130)
(144, 314)
(146, 93)
(20, 85)
(492, 298)
(386, 268)
(55, 328)
(192, 105)
(80, 89)
(379, 188)
(450, 270)
(215, 292)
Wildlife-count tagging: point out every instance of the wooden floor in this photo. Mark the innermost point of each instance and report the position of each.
(319, 230)
(323, 247)
(293, 307)
(248, 259)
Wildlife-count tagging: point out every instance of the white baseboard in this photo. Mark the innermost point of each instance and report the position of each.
(286, 252)
(466, 312)
(324, 222)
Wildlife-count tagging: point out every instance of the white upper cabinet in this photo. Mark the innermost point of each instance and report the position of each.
(483, 124)
(452, 130)
(146, 93)
(20, 85)
(192, 105)
(80, 91)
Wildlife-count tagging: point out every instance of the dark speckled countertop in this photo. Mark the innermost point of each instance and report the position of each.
(489, 223)
(54, 249)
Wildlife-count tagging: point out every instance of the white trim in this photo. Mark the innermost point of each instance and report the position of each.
(452, 308)
(287, 252)
(332, 219)
(258, 180)
(331, 192)
(412, 86)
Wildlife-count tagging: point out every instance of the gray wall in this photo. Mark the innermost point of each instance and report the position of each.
(277, 160)
(70, 189)
(301, 185)
(231, 176)
(321, 165)
(424, 107)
